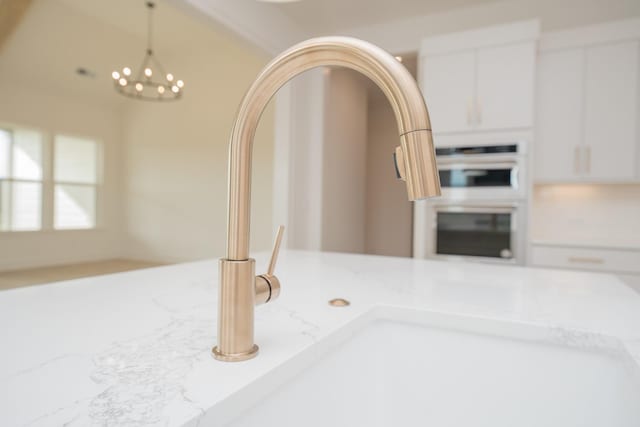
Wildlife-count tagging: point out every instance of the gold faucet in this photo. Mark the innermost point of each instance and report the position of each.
(240, 289)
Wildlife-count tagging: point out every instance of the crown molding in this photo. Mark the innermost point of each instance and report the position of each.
(257, 23)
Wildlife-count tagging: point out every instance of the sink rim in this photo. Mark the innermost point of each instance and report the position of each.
(537, 332)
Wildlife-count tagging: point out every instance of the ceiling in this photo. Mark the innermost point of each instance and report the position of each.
(330, 16)
(55, 37)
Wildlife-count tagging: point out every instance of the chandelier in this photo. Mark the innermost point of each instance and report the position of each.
(150, 83)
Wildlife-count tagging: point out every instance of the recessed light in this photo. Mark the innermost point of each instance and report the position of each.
(84, 72)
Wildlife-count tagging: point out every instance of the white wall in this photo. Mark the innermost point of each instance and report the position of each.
(176, 159)
(166, 164)
(389, 214)
(388, 211)
(405, 35)
(41, 108)
(586, 213)
(298, 153)
(321, 160)
(344, 162)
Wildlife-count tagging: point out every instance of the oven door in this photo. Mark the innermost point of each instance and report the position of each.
(474, 180)
(483, 233)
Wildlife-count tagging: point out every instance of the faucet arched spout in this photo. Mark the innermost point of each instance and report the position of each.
(416, 157)
(239, 288)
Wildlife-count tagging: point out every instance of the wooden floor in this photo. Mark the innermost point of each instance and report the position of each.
(36, 276)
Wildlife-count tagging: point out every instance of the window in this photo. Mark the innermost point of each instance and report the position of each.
(48, 183)
(75, 182)
(20, 180)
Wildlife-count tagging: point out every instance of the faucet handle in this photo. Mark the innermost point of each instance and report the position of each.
(267, 285)
(276, 250)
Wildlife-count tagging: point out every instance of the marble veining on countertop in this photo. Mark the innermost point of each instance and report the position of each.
(134, 348)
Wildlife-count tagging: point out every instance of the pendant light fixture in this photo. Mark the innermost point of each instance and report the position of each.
(150, 82)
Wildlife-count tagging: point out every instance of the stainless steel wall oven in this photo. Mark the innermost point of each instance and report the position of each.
(477, 231)
(481, 215)
(481, 172)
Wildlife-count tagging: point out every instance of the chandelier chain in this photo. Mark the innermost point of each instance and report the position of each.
(150, 6)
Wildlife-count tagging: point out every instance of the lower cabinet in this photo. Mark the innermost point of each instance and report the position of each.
(621, 261)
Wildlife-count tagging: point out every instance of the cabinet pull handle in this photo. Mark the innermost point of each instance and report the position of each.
(586, 260)
(587, 161)
(576, 160)
(469, 112)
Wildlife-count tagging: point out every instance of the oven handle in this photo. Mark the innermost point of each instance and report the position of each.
(477, 209)
(479, 159)
(490, 166)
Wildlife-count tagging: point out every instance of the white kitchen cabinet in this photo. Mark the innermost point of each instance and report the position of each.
(480, 80)
(448, 83)
(481, 89)
(505, 79)
(616, 260)
(587, 113)
(611, 111)
(559, 103)
(623, 262)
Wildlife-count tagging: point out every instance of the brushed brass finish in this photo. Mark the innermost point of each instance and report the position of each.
(339, 302)
(235, 357)
(235, 336)
(236, 299)
(276, 250)
(263, 290)
(267, 288)
(422, 178)
(268, 285)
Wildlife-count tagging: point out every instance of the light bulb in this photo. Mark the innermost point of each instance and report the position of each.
(122, 81)
(160, 90)
(115, 75)
(170, 77)
(126, 71)
(148, 72)
(180, 83)
(139, 87)
(175, 89)
(399, 58)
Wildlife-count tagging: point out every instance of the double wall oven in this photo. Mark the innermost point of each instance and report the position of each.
(481, 215)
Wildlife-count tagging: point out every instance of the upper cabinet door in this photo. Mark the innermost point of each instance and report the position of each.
(611, 111)
(448, 84)
(559, 110)
(505, 83)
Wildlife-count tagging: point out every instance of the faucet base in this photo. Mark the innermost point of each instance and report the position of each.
(234, 357)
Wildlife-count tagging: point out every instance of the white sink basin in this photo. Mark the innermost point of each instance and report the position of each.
(399, 367)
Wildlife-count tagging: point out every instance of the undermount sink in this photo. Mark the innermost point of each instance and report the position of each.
(401, 367)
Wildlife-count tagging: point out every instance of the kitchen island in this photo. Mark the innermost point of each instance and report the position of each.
(135, 348)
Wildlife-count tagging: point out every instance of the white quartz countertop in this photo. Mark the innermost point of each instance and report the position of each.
(134, 348)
